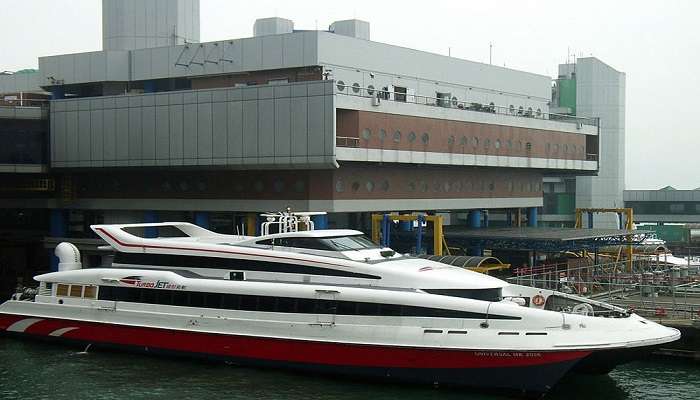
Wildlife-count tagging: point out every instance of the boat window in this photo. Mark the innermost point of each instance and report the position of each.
(335, 243)
(163, 231)
(302, 243)
(76, 290)
(196, 299)
(61, 290)
(234, 264)
(343, 243)
(89, 292)
(476, 294)
(282, 304)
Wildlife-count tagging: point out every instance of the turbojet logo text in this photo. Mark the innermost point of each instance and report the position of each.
(137, 282)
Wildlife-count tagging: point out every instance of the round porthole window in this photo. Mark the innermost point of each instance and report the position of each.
(356, 87)
(511, 109)
(355, 186)
(463, 141)
(369, 186)
(278, 186)
(412, 137)
(423, 186)
(475, 141)
(411, 186)
(339, 186)
(487, 143)
(425, 138)
(497, 143)
(397, 136)
(366, 134)
(370, 90)
(382, 134)
(340, 85)
(454, 101)
(451, 140)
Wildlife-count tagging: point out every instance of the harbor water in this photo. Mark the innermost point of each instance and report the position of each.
(37, 370)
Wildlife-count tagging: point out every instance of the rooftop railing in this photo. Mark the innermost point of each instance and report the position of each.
(451, 102)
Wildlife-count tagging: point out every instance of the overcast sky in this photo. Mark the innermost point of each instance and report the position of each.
(656, 43)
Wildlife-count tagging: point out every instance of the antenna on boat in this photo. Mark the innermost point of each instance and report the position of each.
(288, 221)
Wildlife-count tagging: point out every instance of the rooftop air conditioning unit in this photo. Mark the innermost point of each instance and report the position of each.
(375, 101)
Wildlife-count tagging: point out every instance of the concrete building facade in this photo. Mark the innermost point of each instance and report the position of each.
(217, 132)
(591, 88)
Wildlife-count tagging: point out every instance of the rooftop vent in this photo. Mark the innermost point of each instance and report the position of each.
(272, 26)
(351, 27)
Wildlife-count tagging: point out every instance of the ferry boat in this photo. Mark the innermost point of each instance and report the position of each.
(322, 301)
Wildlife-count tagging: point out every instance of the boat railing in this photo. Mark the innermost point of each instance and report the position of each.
(651, 287)
(408, 96)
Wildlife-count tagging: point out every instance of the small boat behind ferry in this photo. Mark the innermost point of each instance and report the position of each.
(327, 301)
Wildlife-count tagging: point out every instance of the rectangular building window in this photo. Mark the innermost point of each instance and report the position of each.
(280, 81)
(443, 99)
(400, 93)
(676, 207)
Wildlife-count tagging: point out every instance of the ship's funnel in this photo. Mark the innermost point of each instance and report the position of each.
(68, 257)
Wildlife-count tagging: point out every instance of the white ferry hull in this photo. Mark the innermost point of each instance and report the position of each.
(521, 371)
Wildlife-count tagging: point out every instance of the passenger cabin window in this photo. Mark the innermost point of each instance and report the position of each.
(62, 290)
(476, 294)
(277, 304)
(76, 291)
(84, 291)
(231, 264)
(89, 292)
(335, 243)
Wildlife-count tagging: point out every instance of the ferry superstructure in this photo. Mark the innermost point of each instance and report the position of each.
(327, 301)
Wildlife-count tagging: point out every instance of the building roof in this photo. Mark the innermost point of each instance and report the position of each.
(543, 239)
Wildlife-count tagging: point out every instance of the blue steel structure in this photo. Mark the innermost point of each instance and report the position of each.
(474, 222)
(532, 217)
(201, 218)
(150, 217)
(320, 221)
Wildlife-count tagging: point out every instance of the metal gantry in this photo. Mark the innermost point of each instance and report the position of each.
(381, 229)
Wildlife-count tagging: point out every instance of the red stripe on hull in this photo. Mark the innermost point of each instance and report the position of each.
(288, 350)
